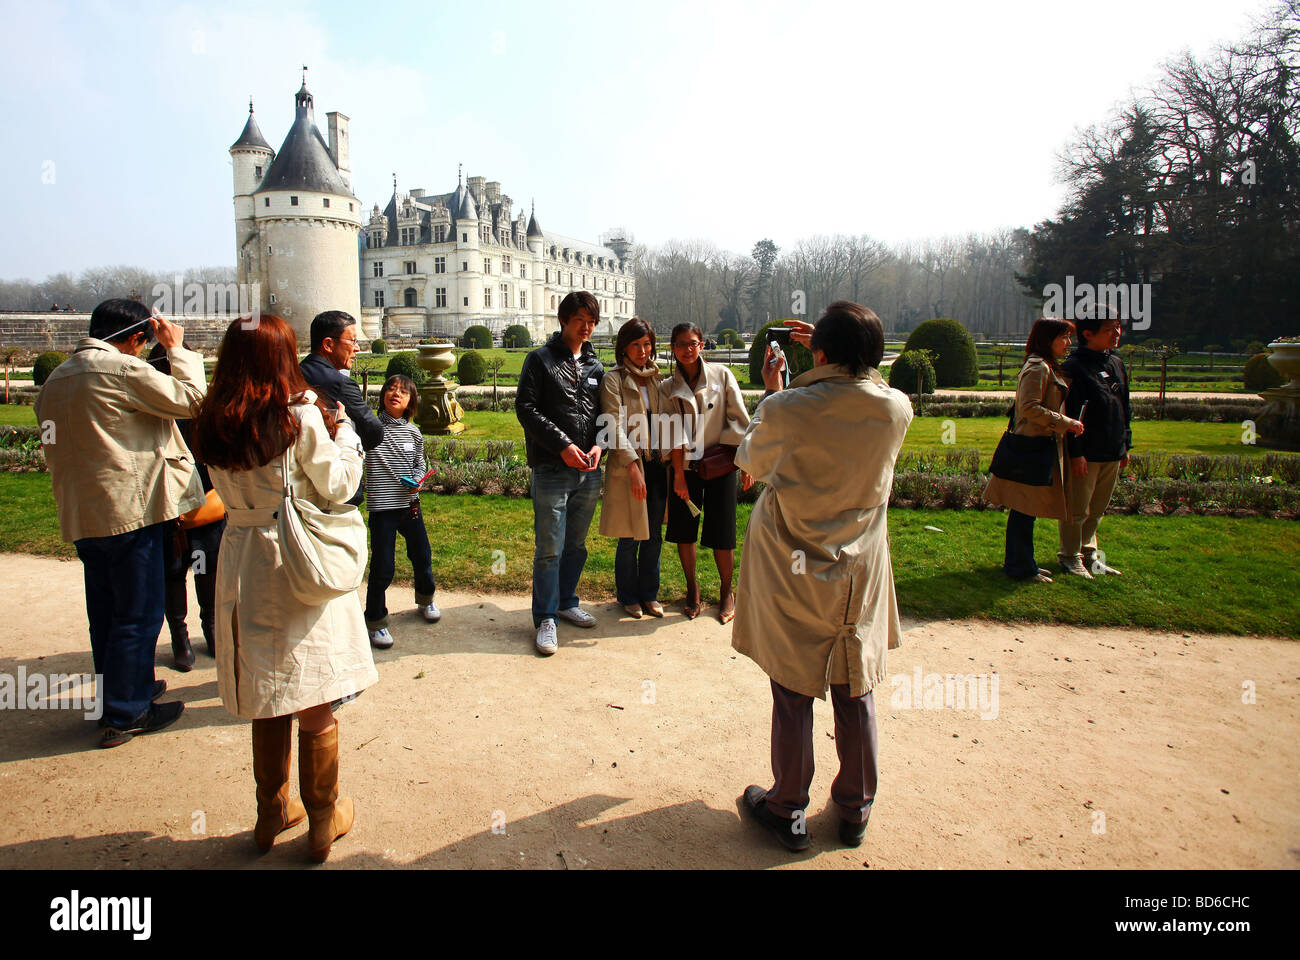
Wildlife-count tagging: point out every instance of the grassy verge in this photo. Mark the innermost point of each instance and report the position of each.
(1212, 574)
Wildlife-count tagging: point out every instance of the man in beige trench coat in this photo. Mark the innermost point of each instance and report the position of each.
(815, 601)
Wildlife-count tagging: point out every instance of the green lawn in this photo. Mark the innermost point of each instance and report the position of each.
(17, 415)
(1213, 574)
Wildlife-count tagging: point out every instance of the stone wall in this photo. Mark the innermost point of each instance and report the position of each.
(38, 332)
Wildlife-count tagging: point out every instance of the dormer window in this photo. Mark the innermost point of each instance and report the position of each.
(326, 201)
(293, 201)
(266, 201)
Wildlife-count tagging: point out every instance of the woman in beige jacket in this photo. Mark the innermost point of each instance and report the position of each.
(708, 408)
(1040, 400)
(277, 657)
(636, 477)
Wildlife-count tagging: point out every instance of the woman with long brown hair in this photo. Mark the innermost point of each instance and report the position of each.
(1040, 402)
(276, 656)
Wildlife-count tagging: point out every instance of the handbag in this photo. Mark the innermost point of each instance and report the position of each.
(1022, 459)
(323, 552)
(716, 461)
(211, 511)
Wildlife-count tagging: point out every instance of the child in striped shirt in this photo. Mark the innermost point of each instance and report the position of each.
(395, 508)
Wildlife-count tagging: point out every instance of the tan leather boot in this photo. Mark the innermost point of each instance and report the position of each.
(276, 812)
(318, 779)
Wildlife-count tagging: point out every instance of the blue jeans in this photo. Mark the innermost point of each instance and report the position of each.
(564, 501)
(125, 599)
(636, 562)
(385, 525)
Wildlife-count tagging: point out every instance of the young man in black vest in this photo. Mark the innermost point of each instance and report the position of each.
(1099, 380)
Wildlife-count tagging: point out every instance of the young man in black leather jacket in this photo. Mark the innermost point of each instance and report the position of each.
(1097, 378)
(558, 403)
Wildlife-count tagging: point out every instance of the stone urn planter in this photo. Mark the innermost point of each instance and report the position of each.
(1279, 424)
(439, 412)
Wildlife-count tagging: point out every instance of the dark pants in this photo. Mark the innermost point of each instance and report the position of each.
(385, 525)
(854, 788)
(202, 545)
(124, 604)
(636, 562)
(1019, 560)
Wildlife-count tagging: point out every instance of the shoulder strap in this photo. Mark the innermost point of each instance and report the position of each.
(284, 471)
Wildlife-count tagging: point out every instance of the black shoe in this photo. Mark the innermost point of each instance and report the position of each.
(182, 653)
(159, 688)
(784, 829)
(159, 716)
(851, 834)
(210, 637)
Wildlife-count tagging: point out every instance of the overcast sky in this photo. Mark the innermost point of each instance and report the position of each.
(703, 119)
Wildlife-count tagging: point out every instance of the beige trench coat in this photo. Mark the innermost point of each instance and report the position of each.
(621, 514)
(116, 458)
(713, 412)
(815, 601)
(1040, 398)
(276, 655)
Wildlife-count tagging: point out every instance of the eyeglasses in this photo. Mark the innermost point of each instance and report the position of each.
(688, 345)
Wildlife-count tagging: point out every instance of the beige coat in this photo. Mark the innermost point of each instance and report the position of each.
(714, 412)
(116, 458)
(815, 601)
(276, 655)
(1040, 398)
(621, 514)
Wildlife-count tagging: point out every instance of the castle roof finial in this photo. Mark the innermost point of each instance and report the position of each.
(250, 104)
(458, 174)
(304, 74)
(394, 184)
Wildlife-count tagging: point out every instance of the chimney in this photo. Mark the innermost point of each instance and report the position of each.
(339, 150)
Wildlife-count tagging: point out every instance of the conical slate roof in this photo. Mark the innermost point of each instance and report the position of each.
(252, 136)
(304, 161)
(534, 230)
(462, 205)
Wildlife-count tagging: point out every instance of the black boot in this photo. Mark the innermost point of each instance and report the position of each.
(210, 636)
(176, 608)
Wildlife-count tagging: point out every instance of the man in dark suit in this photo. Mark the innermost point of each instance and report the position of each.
(326, 370)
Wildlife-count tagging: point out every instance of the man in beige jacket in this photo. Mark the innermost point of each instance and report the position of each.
(121, 470)
(815, 601)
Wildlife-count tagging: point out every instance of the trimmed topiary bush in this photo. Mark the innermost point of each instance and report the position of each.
(903, 372)
(45, 364)
(728, 337)
(517, 335)
(798, 358)
(377, 346)
(477, 337)
(953, 348)
(406, 364)
(1259, 374)
(471, 368)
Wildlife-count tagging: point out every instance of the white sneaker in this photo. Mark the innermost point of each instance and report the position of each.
(547, 642)
(577, 616)
(431, 613)
(381, 639)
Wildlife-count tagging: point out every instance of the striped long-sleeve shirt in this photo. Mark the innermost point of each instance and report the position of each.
(399, 454)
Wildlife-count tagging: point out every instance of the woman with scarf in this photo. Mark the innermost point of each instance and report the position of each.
(636, 480)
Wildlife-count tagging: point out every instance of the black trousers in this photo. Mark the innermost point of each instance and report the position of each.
(385, 525)
(854, 788)
(202, 544)
(1019, 557)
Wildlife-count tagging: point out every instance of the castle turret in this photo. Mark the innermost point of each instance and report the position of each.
(250, 157)
(306, 224)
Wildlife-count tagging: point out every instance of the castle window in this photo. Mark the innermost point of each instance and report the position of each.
(505, 295)
(266, 201)
(326, 201)
(273, 298)
(466, 301)
(440, 297)
(548, 276)
(379, 298)
(257, 172)
(439, 264)
(464, 268)
(293, 201)
(523, 300)
(409, 266)
(523, 271)
(464, 238)
(349, 208)
(552, 301)
(505, 264)
(487, 296)
(487, 265)
(379, 268)
(269, 250)
(408, 297)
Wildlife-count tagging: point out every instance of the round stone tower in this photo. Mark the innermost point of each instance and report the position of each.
(301, 246)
